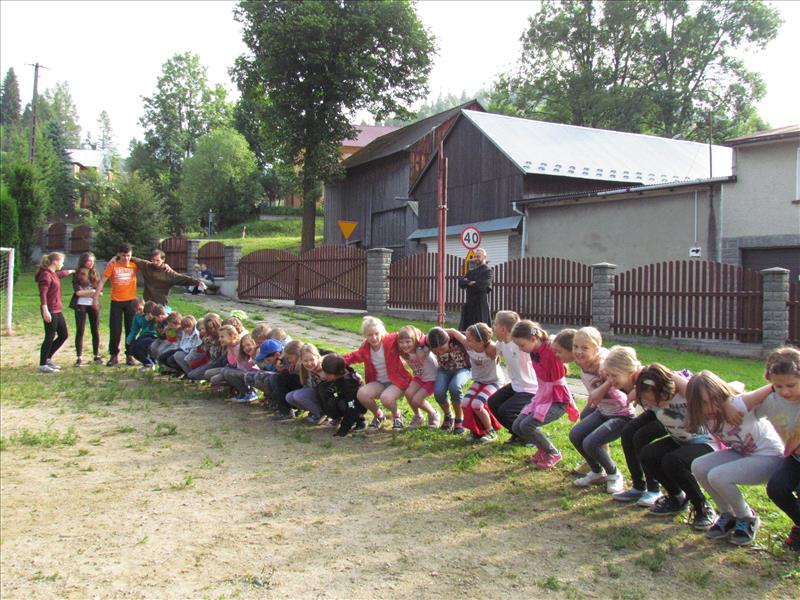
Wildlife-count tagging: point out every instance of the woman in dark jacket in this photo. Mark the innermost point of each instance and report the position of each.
(48, 278)
(477, 283)
(84, 282)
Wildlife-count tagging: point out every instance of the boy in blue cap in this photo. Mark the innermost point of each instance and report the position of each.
(244, 382)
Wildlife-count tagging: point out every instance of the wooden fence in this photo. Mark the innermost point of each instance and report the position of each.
(412, 282)
(56, 236)
(212, 254)
(175, 250)
(689, 299)
(793, 305)
(81, 239)
(268, 274)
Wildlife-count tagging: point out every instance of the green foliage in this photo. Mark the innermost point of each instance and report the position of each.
(56, 104)
(10, 99)
(132, 214)
(59, 171)
(9, 219)
(651, 67)
(312, 64)
(221, 175)
(19, 179)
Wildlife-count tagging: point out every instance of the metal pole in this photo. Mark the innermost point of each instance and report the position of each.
(33, 110)
(441, 188)
(210, 219)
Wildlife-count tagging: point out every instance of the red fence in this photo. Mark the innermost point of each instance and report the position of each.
(175, 250)
(81, 239)
(689, 299)
(57, 236)
(326, 276)
(412, 282)
(793, 305)
(212, 254)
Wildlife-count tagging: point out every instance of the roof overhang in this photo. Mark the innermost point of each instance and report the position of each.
(493, 225)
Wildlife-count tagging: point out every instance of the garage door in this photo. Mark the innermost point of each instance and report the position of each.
(787, 257)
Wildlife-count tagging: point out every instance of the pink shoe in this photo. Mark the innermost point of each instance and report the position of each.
(548, 461)
(536, 457)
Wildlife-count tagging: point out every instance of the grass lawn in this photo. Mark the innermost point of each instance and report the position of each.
(276, 235)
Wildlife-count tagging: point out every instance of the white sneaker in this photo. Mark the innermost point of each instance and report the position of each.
(53, 365)
(615, 483)
(591, 478)
(648, 499)
(47, 369)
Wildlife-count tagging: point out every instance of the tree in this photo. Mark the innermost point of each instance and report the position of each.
(221, 175)
(19, 178)
(314, 64)
(106, 143)
(9, 218)
(10, 99)
(132, 214)
(56, 104)
(441, 104)
(59, 170)
(642, 66)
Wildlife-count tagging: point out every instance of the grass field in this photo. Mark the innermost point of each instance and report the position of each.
(200, 498)
(276, 235)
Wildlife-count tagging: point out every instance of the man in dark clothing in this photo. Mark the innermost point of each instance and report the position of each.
(159, 277)
(477, 283)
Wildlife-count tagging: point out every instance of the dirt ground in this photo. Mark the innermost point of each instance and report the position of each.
(173, 492)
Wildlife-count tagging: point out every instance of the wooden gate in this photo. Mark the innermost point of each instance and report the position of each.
(793, 305)
(268, 274)
(212, 254)
(334, 276)
(175, 250)
(81, 239)
(689, 299)
(56, 236)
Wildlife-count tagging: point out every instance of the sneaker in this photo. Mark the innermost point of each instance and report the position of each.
(513, 439)
(582, 469)
(458, 427)
(489, 436)
(333, 423)
(416, 422)
(447, 424)
(721, 527)
(631, 495)
(79, 362)
(591, 478)
(98, 360)
(433, 421)
(548, 461)
(314, 419)
(648, 499)
(376, 424)
(744, 532)
(536, 457)
(248, 396)
(147, 368)
(53, 365)
(702, 518)
(615, 483)
(46, 369)
(129, 360)
(792, 540)
(361, 425)
(114, 360)
(670, 505)
(284, 416)
(397, 424)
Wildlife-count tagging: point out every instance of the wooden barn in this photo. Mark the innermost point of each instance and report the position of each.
(497, 164)
(374, 192)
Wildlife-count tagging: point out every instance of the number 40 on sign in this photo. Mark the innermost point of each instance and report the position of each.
(470, 237)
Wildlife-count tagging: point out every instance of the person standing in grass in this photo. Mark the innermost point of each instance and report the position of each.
(84, 282)
(122, 273)
(477, 284)
(48, 277)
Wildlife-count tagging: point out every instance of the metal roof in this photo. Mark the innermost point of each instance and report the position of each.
(539, 147)
(86, 158)
(366, 134)
(401, 139)
(770, 135)
(504, 224)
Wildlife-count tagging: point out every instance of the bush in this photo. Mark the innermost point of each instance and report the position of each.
(19, 178)
(132, 214)
(9, 219)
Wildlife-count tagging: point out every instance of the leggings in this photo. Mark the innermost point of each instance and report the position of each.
(55, 334)
(670, 463)
(528, 428)
(478, 395)
(783, 488)
(139, 349)
(305, 399)
(506, 405)
(637, 434)
(591, 434)
(721, 472)
(81, 313)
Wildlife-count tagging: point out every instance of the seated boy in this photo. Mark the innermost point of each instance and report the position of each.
(337, 395)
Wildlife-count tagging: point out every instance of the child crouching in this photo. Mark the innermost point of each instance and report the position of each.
(337, 395)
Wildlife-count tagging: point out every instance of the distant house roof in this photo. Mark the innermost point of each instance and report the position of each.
(86, 158)
(367, 134)
(771, 135)
(401, 139)
(502, 224)
(538, 147)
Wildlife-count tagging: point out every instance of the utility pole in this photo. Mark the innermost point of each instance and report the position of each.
(36, 68)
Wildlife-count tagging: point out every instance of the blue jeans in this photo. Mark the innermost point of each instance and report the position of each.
(452, 381)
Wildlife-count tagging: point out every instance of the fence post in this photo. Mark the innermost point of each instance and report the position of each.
(602, 300)
(192, 248)
(775, 323)
(378, 262)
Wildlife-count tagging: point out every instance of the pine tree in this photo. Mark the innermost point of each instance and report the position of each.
(10, 102)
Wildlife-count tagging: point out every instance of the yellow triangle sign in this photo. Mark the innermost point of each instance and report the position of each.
(470, 254)
(347, 228)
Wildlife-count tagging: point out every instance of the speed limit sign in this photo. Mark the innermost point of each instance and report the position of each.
(470, 237)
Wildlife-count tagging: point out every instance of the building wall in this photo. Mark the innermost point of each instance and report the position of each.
(626, 232)
(500, 246)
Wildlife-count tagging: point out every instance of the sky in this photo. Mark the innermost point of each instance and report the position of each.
(111, 53)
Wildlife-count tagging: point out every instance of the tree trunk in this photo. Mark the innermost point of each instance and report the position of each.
(310, 197)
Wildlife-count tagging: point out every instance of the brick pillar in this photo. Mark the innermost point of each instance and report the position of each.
(775, 324)
(602, 300)
(68, 238)
(192, 247)
(378, 262)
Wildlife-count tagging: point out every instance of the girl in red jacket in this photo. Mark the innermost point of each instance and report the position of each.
(48, 277)
(387, 378)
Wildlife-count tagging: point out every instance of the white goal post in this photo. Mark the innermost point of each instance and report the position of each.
(6, 287)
